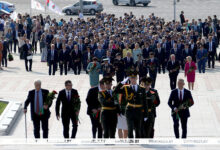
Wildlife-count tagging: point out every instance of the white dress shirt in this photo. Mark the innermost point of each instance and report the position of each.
(135, 87)
(68, 92)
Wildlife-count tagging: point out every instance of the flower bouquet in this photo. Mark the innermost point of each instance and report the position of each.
(10, 57)
(191, 69)
(93, 67)
(188, 103)
(76, 105)
(152, 66)
(50, 98)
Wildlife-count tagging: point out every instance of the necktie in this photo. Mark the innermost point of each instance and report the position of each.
(181, 95)
(68, 95)
(133, 87)
(38, 104)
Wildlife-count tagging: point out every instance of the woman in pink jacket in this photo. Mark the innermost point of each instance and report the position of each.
(190, 73)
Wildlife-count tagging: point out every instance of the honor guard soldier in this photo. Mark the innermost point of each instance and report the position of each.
(134, 97)
(152, 101)
(109, 109)
(119, 68)
(107, 68)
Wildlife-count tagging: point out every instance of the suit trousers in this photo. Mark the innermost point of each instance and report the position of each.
(4, 60)
(63, 66)
(44, 123)
(148, 127)
(30, 64)
(109, 123)
(153, 76)
(77, 67)
(53, 65)
(134, 120)
(173, 79)
(66, 122)
(211, 59)
(96, 125)
(183, 121)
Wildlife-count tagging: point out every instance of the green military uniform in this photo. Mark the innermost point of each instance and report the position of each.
(152, 101)
(109, 111)
(132, 102)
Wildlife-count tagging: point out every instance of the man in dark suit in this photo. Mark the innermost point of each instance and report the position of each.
(15, 37)
(52, 59)
(180, 100)
(182, 18)
(77, 60)
(27, 48)
(39, 110)
(173, 67)
(211, 47)
(119, 68)
(160, 55)
(128, 63)
(153, 67)
(94, 108)
(5, 52)
(69, 98)
(64, 59)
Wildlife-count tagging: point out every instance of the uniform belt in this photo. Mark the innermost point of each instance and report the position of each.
(108, 108)
(134, 105)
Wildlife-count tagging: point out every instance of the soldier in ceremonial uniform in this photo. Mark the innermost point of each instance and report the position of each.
(109, 109)
(107, 68)
(152, 65)
(119, 68)
(133, 97)
(152, 101)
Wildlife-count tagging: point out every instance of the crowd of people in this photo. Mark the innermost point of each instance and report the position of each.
(114, 45)
(125, 47)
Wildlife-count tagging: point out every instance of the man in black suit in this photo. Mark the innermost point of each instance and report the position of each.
(69, 98)
(52, 59)
(64, 59)
(15, 37)
(5, 52)
(160, 55)
(94, 108)
(76, 58)
(173, 67)
(182, 18)
(180, 100)
(39, 110)
(128, 63)
(27, 48)
(211, 47)
(119, 68)
(153, 67)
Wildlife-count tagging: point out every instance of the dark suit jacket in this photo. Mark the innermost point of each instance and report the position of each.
(174, 102)
(77, 56)
(64, 57)
(26, 49)
(55, 56)
(92, 100)
(31, 99)
(171, 66)
(67, 106)
(128, 64)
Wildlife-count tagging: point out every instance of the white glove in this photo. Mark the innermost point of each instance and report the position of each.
(145, 119)
(125, 80)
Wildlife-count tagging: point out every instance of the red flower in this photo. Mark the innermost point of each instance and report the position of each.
(76, 96)
(94, 65)
(155, 102)
(54, 92)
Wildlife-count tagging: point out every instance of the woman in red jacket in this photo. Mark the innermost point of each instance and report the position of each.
(190, 68)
